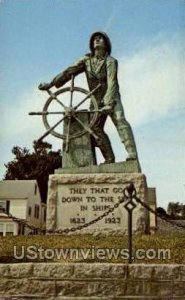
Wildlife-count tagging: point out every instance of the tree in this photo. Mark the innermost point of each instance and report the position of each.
(161, 211)
(176, 209)
(183, 211)
(38, 165)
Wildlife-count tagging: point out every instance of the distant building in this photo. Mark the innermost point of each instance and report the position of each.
(152, 200)
(20, 198)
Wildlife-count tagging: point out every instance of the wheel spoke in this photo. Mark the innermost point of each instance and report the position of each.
(41, 113)
(88, 95)
(50, 129)
(87, 111)
(67, 136)
(87, 128)
(55, 98)
(71, 90)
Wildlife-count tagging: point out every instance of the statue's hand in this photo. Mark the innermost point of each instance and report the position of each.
(44, 86)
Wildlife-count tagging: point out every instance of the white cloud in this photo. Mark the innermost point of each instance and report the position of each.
(152, 82)
(16, 120)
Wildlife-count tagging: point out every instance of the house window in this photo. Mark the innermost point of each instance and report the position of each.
(29, 211)
(6, 229)
(36, 214)
(9, 229)
(5, 206)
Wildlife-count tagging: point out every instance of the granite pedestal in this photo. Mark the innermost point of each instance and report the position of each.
(77, 199)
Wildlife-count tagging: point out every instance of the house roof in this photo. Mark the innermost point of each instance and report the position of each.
(16, 188)
(5, 218)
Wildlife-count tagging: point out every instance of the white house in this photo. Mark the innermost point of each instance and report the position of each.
(20, 198)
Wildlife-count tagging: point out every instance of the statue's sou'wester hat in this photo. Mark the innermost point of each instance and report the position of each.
(106, 38)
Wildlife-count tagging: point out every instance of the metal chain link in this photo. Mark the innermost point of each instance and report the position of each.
(159, 215)
(129, 194)
(66, 230)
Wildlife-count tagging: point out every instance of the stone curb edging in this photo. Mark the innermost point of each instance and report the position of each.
(62, 281)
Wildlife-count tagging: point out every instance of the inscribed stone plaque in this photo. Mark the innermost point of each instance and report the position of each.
(77, 199)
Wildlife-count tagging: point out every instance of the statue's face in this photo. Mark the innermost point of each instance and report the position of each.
(98, 41)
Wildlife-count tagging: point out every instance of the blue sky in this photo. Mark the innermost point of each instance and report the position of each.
(39, 38)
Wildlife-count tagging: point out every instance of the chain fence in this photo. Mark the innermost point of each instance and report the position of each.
(66, 230)
(129, 194)
(158, 215)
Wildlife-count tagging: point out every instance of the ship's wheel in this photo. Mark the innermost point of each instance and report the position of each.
(70, 111)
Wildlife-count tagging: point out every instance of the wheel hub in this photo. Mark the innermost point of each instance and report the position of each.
(69, 112)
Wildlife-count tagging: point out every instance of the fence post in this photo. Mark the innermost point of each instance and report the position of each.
(129, 192)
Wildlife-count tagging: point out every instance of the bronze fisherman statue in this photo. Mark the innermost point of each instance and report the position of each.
(100, 67)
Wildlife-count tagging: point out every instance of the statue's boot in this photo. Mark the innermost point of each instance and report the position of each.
(107, 151)
(129, 143)
(127, 138)
(131, 150)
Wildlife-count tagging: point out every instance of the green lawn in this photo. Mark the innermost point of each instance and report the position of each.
(90, 247)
